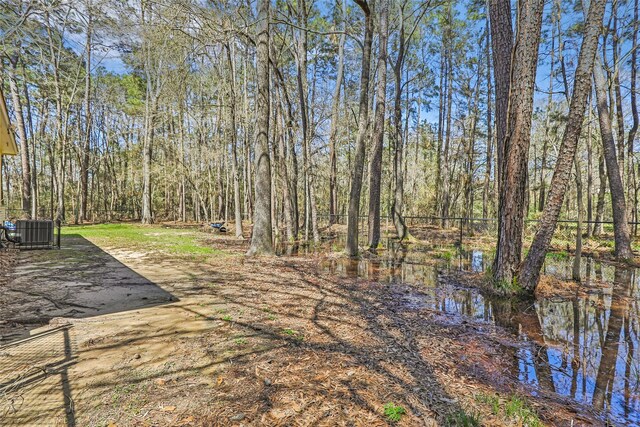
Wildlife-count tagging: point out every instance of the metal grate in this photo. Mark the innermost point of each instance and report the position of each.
(35, 232)
(30, 234)
(34, 386)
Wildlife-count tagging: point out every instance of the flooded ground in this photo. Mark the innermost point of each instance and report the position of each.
(312, 336)
(583, 347)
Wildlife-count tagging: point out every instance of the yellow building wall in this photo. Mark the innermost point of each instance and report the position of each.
(8, 146)
(7, 141)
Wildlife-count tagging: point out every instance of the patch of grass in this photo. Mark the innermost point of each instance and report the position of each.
(270, 312)
(608, 243)
(120, 391)
(240, 341)
(447, 254)
(293, 333)
(488, 272)
(463, 419)
(168, 366)
(393, 412)
(502, 287)
(227, 318)
(491, 400)
(129, 398)
(150, 238)
(506, 288)
(558, 255)
(517, 408)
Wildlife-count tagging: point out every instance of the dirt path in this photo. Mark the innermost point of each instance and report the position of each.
(78, 281)
(244, 342)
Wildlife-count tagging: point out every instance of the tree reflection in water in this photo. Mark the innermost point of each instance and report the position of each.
(581, 347)
(588, 351)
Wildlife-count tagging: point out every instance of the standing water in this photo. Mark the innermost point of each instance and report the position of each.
(585, 347)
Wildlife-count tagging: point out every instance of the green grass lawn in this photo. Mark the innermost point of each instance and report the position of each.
(181, 242)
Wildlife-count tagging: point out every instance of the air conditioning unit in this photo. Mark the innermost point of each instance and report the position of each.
(35, 232)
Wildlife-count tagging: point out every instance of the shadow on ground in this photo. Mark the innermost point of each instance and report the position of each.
(80, 280)
(38, 346)
(259, 342)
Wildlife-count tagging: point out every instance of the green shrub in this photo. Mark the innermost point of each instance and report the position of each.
(393, 412)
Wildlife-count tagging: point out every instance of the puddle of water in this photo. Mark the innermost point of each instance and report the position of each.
(586, 348)
(590, 350)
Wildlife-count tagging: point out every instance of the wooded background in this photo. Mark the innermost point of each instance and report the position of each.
(148, 109)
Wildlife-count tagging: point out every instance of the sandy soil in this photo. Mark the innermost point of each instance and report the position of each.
(132, 339)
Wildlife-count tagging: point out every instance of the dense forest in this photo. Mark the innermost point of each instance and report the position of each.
(297, 114)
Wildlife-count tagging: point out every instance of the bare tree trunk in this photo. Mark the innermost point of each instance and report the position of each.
(261, 240)
(247, 149)
(398, 139)
(589, 171)
(489, 154)
(84, 154)
(615, 83)
(333, 135)
(375, 174)
(620, 225)
(234, 143)
(440, 136)
(530, 270)
(470, 164)
(275, 219)
(292, 159)
(634, 113)
(151, 109)
(34, 170)
(22, 134)
(602, 190)
(150, 112)
(446, 181)
(502, 44)
(182, 187)
(310, 222)
(578, 253)
(545, 143)
(351, 246)
(57, 170)
(284, 182)
(517, 139)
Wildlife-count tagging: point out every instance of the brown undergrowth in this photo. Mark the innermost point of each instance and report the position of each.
(282, 342)
(7, 260)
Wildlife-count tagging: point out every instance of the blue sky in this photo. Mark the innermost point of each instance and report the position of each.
(112, 61)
